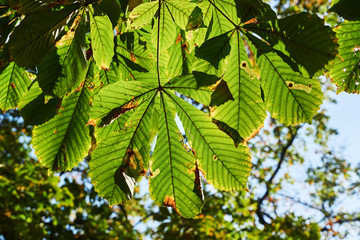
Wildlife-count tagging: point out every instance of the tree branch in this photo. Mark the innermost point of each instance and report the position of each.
(259, 213)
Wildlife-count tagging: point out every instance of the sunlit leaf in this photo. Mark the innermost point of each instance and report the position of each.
(102, 37)
(345, 70)
(173, 180)
(14, 82)
(36, 34)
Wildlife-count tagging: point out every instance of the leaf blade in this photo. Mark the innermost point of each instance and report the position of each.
(172, 172)
(102, 38)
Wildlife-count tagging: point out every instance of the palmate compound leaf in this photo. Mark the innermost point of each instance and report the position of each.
(61, 143)
(174, 176)
(174, 172)
(345, 69)
(118, 161)
(290, 97)
(102, 37)
(14, 82)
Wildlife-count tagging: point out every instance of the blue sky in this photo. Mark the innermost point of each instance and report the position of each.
(345, 117)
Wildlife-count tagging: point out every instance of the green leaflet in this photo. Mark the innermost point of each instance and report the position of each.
(180, 58)
(33, 108)
(171, 13)
(112, 8)
(180, 11)
(166, 27)
(215, 17)
(190, 86)
(289, 97)
(61, 143)
(102, 133)
(346, 9)
(133, 52)
(307, 41)
(345, 70)
(64, 67)
(117, 161)
(14, 82)
(174, 176)
(195, 19)
(117, 98)
(143, 14)
(102, 37)
(246, 114)
(215, 49)
(225, 166)
(36, 34)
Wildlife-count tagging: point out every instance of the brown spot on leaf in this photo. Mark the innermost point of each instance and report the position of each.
(178, 39)
(55, 131)
(185, 47)
(115, 113)
(131, 158)
(251, 21)
(132, 57)
(80, 87)
(170, 202)
(143, 172)
(91, 122)
(13, 85)
(194, 152)
(290, 85)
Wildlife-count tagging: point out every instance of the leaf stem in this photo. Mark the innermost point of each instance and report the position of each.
(158, 47)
